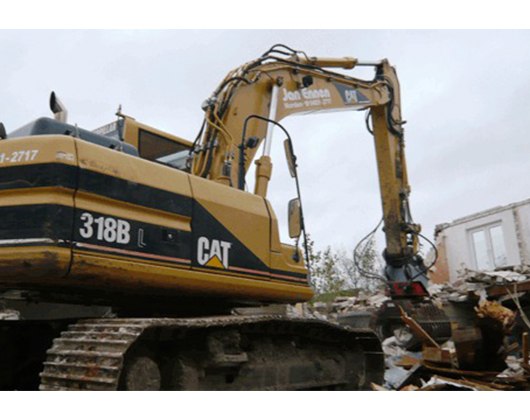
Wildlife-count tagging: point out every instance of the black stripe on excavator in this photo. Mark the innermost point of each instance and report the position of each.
(134, 193)
(50, 224)
(152, 242)
(39, 175)
(54, 174)
(35, 224)
(61, 175)
(100, 232)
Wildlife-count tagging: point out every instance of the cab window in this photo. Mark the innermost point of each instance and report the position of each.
(152, 146)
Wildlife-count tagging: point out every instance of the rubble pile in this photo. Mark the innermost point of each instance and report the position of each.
(479, 358)
(472, 284)
(488, 348)
(500, 275)
(363, 302)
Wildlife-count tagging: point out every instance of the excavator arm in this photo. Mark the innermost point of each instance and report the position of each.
(242, 112)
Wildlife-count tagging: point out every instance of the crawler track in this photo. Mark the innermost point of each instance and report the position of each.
(267, 352)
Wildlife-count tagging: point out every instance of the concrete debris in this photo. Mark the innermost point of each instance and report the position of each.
(363, 302)
(494, 277)
(400, 363)
(395, 376)
(438, 383)
(392, 348)
(403, 336)
(376, 301)
(472, 284)
(517, 369)
(501, 275)
(442, 383)
(9, 315)
(460, 291)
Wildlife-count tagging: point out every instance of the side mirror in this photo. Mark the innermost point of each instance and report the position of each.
(295, 218)
(291, 158)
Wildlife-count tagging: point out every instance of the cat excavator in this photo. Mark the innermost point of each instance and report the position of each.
(134, 259)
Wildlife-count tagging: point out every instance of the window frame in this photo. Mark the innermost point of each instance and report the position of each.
(155, 136)
(486, 228)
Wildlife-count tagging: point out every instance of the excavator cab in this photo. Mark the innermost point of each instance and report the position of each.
(151, 143)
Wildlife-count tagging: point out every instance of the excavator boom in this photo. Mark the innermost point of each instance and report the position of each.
(276, 86)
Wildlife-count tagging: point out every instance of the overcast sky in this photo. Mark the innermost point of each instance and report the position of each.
(465, 95)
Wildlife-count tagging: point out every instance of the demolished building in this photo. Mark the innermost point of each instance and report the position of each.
(483, 241)
(481, 283)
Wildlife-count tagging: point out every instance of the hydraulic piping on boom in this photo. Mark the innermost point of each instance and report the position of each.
(284, 82)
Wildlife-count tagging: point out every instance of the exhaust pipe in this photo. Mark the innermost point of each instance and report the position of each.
(59, 110)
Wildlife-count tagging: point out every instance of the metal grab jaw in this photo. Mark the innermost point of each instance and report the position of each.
(408, 280)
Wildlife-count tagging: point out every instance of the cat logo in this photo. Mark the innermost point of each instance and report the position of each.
(212, 252)
(350, 96)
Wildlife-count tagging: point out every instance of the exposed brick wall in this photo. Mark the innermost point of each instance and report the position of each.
(439, 274)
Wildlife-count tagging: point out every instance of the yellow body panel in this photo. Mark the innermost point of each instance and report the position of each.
(282, 254)
(126, 274)
(131, 168)
(73, 265)
(49, 149)
(237, 210)
(39, 266)
(48, 195)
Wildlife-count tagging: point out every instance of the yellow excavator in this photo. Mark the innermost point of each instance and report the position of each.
(134, 259)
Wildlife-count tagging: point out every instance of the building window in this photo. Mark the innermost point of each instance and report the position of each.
(488, 247)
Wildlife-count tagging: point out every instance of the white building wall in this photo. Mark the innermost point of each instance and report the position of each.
(515, 222)
(523, 219)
